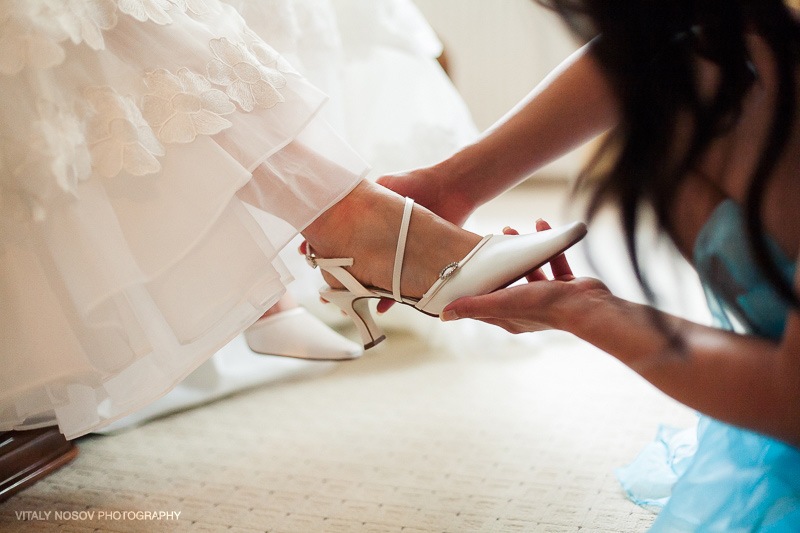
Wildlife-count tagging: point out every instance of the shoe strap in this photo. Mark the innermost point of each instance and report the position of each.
(335, 267)
(447, 273)
(397, 272)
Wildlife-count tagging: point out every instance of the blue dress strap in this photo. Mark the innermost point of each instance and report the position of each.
(739, 295)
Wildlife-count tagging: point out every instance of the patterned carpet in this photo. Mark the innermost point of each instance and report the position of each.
(442, 428)
(409, 438)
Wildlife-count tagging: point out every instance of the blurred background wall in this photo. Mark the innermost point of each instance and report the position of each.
(497, 51)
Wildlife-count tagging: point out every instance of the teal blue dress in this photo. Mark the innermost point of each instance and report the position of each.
(717, 477)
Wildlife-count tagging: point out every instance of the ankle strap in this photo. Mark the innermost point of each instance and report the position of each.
(397, 273)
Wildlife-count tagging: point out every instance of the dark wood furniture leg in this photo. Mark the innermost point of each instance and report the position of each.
(28, 456)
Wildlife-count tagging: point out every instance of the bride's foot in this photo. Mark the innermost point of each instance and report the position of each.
(365, 226)
(371, 238)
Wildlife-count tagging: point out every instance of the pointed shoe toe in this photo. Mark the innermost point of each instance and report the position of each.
(299, 334)
(496, 262)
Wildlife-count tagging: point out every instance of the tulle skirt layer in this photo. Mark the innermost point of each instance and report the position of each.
(150, 173)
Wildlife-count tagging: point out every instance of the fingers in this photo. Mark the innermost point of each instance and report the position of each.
(488, 306)
(457, 310)
(510, 231)
(538, 274)
(558, 264)
(517, 309)
(394, 182)
(384, 304)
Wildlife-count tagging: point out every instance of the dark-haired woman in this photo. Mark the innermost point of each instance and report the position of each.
(698, 102)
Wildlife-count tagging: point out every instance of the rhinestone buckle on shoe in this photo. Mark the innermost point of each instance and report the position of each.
(449, 270)
(311, 258)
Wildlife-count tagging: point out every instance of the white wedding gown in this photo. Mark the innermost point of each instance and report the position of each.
(156, 157)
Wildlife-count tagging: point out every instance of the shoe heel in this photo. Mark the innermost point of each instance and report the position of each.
(357, 308)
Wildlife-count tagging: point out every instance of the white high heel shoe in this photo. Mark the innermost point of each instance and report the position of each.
(496, 262)
(299, 334)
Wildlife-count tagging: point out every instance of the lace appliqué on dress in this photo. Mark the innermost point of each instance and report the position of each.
(183, 106)
(54, 152)
(118, 136)
(157, 10)
(198, 7)
(247, 81)
(59, 134)
(107, 133)
(30, 32)
(142, 10)
(83, 21)
(270, 58)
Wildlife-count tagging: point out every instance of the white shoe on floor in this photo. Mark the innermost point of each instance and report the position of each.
(297, 333)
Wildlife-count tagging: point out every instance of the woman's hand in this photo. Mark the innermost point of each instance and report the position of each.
(538, 305)
(427, 187)
(431, 188)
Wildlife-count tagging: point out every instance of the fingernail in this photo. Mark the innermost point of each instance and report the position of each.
(449, 315)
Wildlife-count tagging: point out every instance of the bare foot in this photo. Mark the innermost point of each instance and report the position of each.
(365, 225)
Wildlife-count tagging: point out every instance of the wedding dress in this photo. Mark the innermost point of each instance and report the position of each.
(389, 98)
(156, 157)
(376, 59)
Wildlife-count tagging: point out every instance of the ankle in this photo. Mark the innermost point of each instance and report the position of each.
(365, 225)
(360, 225)
(433, 243)
(339, 221)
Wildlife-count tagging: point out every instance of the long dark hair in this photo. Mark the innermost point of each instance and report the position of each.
(649, 50)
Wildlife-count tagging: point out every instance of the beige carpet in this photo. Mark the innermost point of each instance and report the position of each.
(442, 428)
(405, 439)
